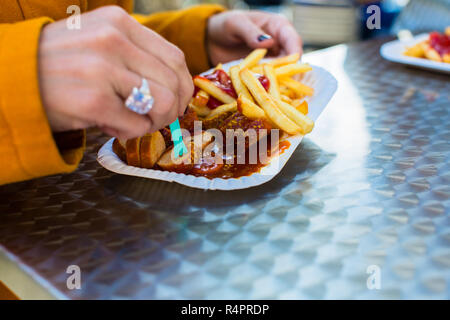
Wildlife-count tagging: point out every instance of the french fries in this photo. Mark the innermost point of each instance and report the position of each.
(253, 58)
(258, 69)
(201, 111)
(430, 53)
(240, 88)
(278, 98)
(210, 88)
(286, 99)
(249, 109)
(199, 103)
(268, 104)
(293, 58)
(299, 88)
(291, 112)
(305, 123)
(274, 89)
(425, 49)
(230, 107)
(201, 98)
(292, 69)
(415, 51)
(300, 105)
(285, 91)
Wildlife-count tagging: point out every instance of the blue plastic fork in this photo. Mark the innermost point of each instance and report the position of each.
(179, 148)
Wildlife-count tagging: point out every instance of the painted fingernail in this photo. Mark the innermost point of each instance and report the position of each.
(264, 37)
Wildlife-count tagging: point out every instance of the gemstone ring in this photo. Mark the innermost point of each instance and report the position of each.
(140, 100)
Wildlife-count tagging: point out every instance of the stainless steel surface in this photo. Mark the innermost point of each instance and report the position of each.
(370, 186)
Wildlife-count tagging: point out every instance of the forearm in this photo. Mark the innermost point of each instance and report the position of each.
(27, 147)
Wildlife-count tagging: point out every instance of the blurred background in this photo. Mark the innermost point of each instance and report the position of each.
(322, 23)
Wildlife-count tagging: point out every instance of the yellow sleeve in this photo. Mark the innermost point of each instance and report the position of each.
(28, 148)
(186, 29)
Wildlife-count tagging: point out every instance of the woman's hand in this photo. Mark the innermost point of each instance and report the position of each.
(86, 75)
(233, 34)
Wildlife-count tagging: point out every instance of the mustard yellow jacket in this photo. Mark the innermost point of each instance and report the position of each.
(28, 149)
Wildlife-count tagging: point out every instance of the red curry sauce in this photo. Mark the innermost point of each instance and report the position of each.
(235, 170)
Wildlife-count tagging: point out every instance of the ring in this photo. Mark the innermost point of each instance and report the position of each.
(140, 100)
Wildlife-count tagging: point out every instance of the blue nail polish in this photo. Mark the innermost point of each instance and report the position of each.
(264, 37)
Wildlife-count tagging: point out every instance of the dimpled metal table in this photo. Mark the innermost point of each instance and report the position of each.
(361, 210)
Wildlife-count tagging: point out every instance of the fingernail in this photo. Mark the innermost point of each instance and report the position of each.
(264, 37)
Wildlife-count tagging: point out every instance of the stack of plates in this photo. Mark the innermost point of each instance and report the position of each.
(326, 22)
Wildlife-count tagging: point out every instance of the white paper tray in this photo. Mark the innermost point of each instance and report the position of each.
(393, 51)
(324, 85)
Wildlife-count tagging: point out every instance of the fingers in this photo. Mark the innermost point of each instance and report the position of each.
(289, 39)
(112, 114)
(163, 112)
(245, 29)
(166, 53)
(147, 66)
(286, 38)
(146, 54)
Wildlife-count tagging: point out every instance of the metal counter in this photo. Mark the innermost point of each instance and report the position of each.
(367, 191)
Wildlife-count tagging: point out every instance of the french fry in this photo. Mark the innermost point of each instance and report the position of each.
(249, 109)
(230, 107)
(274, 89)
(201, 98)
(253, 58)
(298, 87)
(201, 111)
(300, 105)
(293, 58)
(219, 67)
(287, 92)
(430, 53)
(292, 113)
(240, 88)
(415, 51)
(291, 69)
(446, 58)
(258, 69)
(213, 90)
(267, 103)
(286, 99)
(305, 123)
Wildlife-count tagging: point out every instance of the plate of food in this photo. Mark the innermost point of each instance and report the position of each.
(244, 122)
(429, 51)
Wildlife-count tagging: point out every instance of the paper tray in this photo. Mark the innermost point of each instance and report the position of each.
(324, 85)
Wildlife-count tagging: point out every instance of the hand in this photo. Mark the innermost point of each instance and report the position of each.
(233, 34)
(86, 75)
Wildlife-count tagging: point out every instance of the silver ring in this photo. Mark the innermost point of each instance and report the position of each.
(140, 100)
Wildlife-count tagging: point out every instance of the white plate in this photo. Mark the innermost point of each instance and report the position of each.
(393, 51)
(324, 85)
